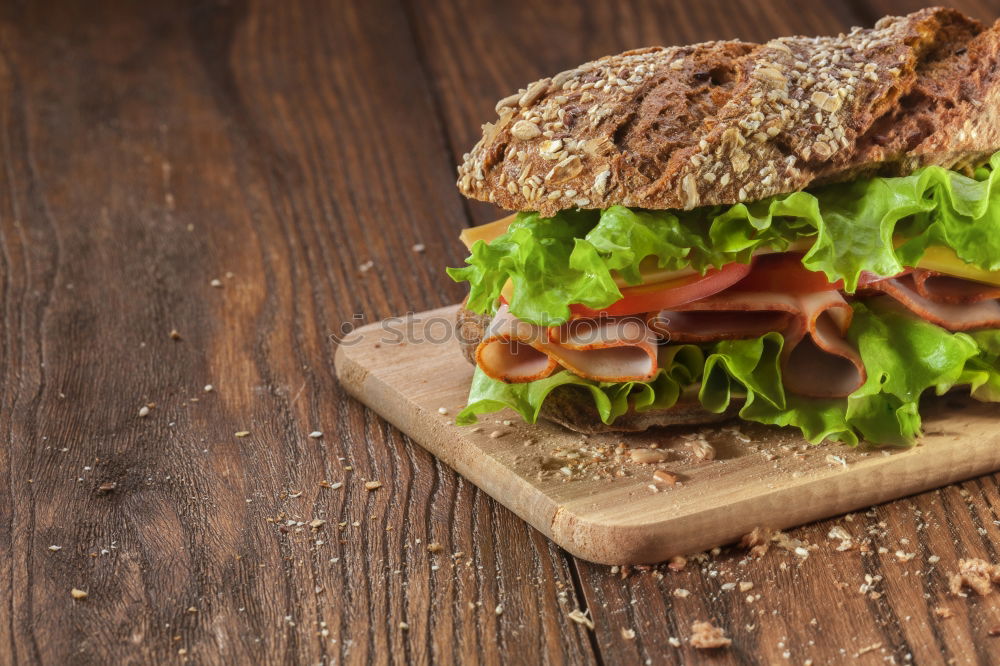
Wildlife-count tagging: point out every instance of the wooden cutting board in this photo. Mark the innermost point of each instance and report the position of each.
(587, 495)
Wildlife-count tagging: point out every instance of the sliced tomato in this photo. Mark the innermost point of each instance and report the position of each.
(784, 273)
(663, 295)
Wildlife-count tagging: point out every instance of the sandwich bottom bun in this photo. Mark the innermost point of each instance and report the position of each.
(574, 409)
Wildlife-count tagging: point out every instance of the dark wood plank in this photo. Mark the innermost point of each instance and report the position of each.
(474, 63)
(148, 149)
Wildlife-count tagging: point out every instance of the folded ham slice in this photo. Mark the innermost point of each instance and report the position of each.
(942, 288)
(816, 360)
(949, 302)
(606, 350)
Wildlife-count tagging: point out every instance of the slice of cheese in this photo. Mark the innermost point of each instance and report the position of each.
(944, 260)
(486, 232)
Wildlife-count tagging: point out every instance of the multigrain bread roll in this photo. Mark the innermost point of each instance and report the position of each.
(728, 122)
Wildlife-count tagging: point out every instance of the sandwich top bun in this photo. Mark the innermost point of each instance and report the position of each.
(729, 122)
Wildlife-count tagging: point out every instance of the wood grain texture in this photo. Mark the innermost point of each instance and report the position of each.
(149, 148)
(147, 152)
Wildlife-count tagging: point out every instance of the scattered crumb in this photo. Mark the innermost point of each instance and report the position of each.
(434, 547)
(317, 523)
(757, 541)
(498, 610)
(419, 247)
(497, 434)
(677, 563)
(701, 449)
(975, 574)
(867, 649)
(144, 411)
(674, 641)
(209, 388)
(242, 433)
(944, 612)
(580, 617)
(663, 476)
(442, 410)
(681, 593)
(836, 460)
(175, 335)
(55, 549)
(845, 538)
(78, 594)
(372, 485)
(705, 636)
(367, 266)
(647, 456)
(217, 283)
(745, 586)
(404, 626)
(316, 434)
(107, 487)
(628, 634)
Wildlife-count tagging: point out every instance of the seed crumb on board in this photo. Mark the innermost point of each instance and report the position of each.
(316, 434)
(372, 485)
(78, 594)
(647, 456)
(663, 476)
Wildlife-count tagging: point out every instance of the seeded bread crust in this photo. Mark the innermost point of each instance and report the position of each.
(575, 410)
(728, 122)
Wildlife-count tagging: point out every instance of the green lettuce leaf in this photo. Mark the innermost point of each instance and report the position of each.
(849, 228)
(885, 410)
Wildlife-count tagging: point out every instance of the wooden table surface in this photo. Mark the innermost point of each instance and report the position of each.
(149, 149)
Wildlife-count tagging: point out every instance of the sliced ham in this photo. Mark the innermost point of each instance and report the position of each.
(607, 350)
(942, 288)
(944, 310)
(816, 360)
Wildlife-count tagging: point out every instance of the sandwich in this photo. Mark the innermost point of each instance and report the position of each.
(802, 233)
